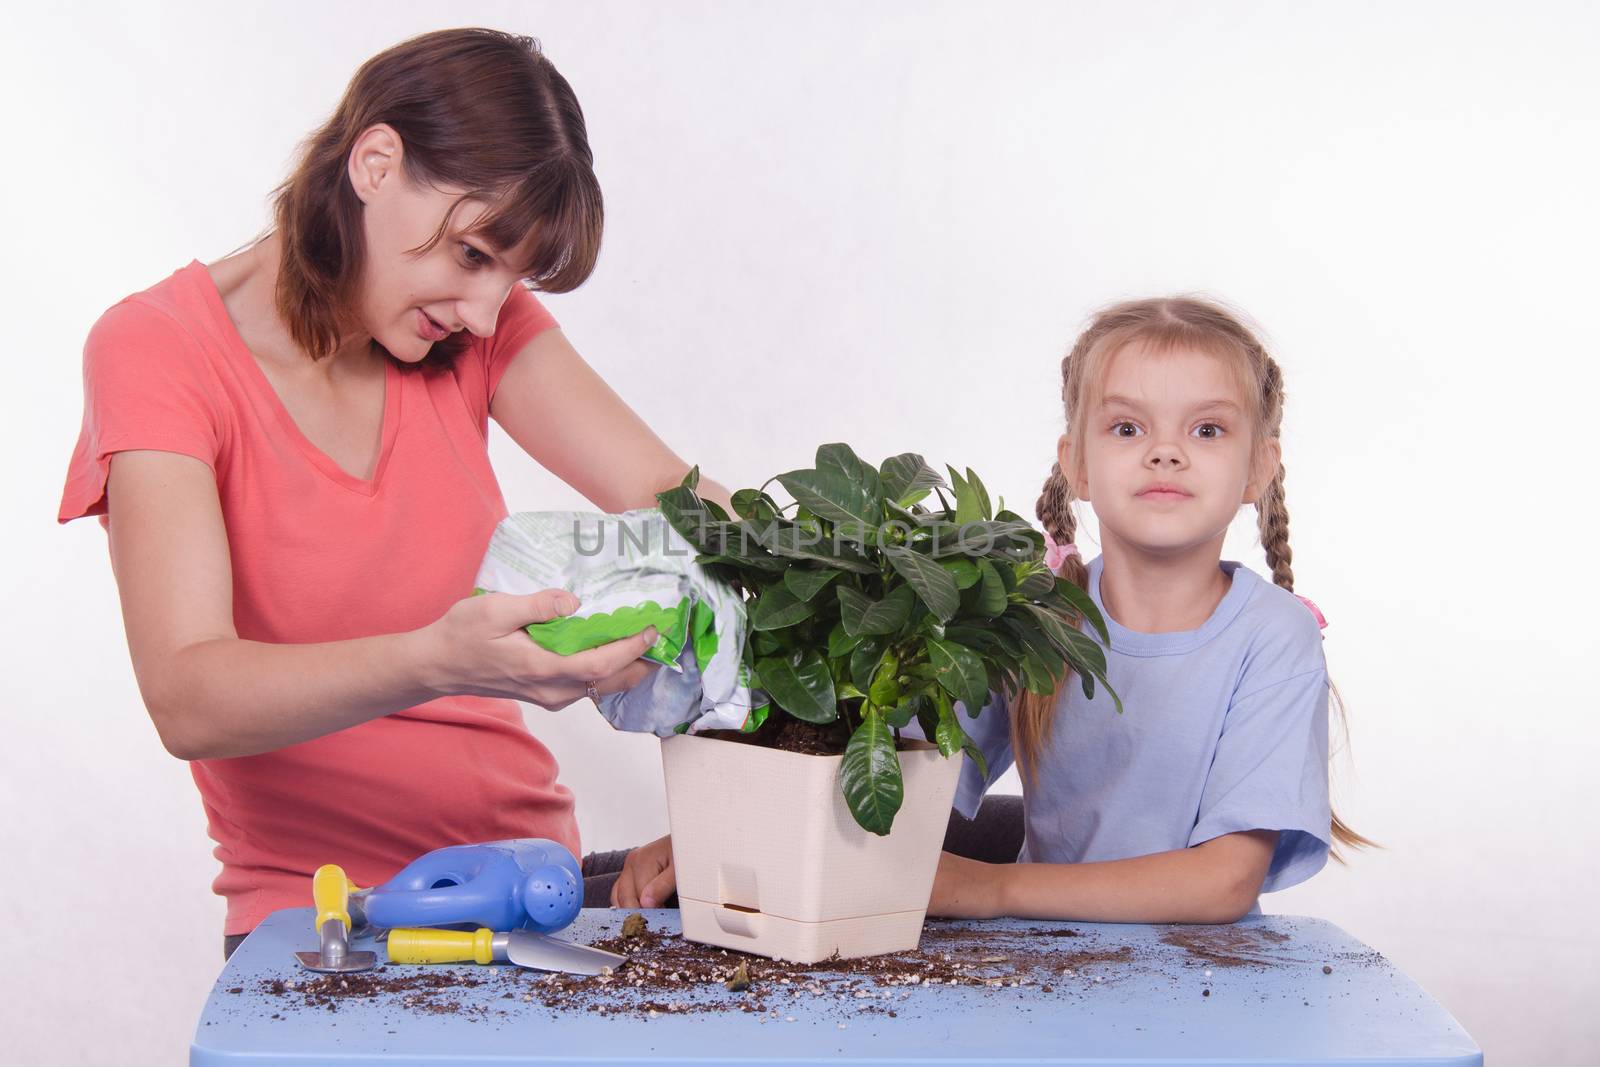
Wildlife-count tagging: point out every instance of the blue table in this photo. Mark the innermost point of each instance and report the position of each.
(1270, 990)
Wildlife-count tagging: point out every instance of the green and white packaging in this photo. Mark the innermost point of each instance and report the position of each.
(631, 571)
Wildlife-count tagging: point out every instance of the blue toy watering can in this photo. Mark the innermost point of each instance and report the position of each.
(524, 884)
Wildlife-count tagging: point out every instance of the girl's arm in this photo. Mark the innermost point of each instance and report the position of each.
(1213, 882)
(564, 415)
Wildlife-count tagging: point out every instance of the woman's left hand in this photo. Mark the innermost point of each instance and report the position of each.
(967, 889)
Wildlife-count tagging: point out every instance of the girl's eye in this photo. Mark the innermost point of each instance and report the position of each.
(1125, 429)
(1215, 431)
(473, 257)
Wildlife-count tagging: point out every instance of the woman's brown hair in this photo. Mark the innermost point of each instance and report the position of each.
(476, 109)
(1160, 324)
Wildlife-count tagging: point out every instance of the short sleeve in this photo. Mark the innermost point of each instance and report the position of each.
(1271, 773)
(991, 732)
(146, 385)
(522, 318)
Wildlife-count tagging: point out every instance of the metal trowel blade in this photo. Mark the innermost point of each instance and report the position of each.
(352, 961)
(542, 952)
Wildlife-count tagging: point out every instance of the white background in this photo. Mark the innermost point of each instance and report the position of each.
(883, 224)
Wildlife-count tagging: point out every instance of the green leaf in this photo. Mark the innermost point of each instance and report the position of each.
(684, 512)
(870, 775)
(1008, 575)
(1035, 644)
(805, 583)
(969, 508)
(864, 661)
(960, 671)
(777, 608)
(793, 541)
(863, 615)
(976, 755)
(900, 715)
(1036, 583)
(995, 540)
(963, 570)
(981, 493)
(907, 478)
(950, 737)
(841, 642)
(982, 641)
(1093, 664)
(842, 458)
(992, 590)
(931, 581)
(763, 562)
(1037, 671)
(885, 690)
(829, 494)
(1084, 605)
(754, 505)
(801, 685)
(1077, 648)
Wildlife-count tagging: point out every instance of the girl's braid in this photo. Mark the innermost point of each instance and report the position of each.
(1054, 508)
(1272, 512)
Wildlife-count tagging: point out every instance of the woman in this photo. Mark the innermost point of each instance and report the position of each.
(287, 448)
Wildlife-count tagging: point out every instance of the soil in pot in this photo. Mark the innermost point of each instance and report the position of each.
(794, 735)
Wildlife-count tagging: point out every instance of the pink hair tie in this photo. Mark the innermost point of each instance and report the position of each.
(1322, 623)
(1055, 555)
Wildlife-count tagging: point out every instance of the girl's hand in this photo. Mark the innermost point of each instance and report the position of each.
(647, 876)
(967, 889)
(479, 648)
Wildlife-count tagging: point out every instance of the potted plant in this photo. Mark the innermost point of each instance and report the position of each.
(817, 828)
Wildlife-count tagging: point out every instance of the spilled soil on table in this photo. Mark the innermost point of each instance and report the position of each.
(666, 975)
(1228, 946)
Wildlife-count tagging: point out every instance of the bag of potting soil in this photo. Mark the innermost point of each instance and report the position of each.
(630, 571)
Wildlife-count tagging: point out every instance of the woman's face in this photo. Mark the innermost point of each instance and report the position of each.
(412, 301)
(1167, 450)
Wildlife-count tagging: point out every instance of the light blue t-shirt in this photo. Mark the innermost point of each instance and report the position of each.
(1225, 728)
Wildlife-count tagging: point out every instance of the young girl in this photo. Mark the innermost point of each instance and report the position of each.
(1212, 787)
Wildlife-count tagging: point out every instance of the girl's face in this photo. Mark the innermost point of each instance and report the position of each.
(411, 302)
(1167, 451)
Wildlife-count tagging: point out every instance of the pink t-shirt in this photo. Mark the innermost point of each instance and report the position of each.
(319, 555)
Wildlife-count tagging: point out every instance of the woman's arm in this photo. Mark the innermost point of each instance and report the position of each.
(564, 415)
(212, 695)
(1213, 882)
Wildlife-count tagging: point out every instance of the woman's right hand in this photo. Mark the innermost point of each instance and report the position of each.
(479, 648)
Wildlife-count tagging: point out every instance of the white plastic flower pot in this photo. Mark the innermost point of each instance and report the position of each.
(770, 861)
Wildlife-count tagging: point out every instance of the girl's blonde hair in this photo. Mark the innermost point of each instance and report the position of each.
(1158, 325)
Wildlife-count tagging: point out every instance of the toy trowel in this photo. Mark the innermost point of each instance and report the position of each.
(525, 948)
(330, 892)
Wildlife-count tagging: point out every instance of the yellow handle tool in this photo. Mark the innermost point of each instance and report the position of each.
(442, 946)
(330, 895)
(525, 948)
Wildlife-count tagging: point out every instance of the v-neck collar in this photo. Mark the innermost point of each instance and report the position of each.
(252, 370)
